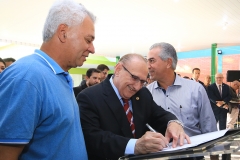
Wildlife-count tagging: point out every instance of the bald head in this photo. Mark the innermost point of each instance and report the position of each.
(235, 85)
(219, 78)
(130, 74)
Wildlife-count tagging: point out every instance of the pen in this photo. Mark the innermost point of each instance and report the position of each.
(153, 130)
(149, 127)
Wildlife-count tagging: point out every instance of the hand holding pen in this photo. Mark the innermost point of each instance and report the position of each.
(151, 129)
(150, 142)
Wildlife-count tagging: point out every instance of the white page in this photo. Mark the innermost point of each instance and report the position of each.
(198, 139)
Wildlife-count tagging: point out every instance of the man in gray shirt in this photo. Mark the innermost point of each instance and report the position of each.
(185, 98)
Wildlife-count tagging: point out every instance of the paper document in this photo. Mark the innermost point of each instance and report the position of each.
(197, 140)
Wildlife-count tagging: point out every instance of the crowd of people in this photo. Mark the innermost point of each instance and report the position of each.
(45, 117)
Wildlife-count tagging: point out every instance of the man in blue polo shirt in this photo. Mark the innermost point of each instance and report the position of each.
(39, 114)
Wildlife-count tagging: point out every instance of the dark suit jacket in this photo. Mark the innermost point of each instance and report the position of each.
(79, 89)
(104, 122)
(214, 95)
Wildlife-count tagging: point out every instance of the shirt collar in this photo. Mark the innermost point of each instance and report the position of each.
(52, 64)
(176, 82)
(218, 84)
(115, 88)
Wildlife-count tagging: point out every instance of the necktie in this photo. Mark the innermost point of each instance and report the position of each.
(220, 90)
(129, 115)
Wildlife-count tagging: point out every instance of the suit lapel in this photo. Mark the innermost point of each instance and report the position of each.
(137, 116)
(224, 90)
(116, 107)
(217, 91)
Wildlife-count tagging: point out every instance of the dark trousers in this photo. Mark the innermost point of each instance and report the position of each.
(221, 118)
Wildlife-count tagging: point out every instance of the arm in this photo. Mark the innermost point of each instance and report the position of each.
(10, 152)
(160, 120)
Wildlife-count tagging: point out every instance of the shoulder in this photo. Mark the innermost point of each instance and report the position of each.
(189, 83)
(30, 68)
(93, 90)
(212, 85)
(143, 92)
(225, 85)
(151, 85)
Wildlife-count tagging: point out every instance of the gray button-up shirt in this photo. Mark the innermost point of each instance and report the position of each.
(188, 100)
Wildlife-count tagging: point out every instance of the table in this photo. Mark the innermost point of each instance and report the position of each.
(230, 143)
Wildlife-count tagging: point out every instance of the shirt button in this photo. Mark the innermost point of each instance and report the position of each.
(168, 108)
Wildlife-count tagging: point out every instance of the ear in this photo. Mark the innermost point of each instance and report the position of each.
(62, 32)
(169, 63)
(117, 70)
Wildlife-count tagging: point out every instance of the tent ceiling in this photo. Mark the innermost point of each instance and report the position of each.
(128, 26)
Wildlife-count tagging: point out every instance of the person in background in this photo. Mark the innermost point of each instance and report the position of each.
(196, 75)
(149, 80)
(207, 81)
(41, 115)
(114, 114)
(187, 100)
(233, 107)
(2, 65)
(219, 96)
(92, 78)
(104, 71)
(9, 61)
(186, 77)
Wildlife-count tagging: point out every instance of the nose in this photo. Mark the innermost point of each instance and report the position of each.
(98, 80)
(91, 48)
(148, 65)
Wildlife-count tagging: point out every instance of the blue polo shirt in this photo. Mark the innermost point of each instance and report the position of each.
(38, 109)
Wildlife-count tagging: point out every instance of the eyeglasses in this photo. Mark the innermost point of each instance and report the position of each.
(136, 78)
(219, 77)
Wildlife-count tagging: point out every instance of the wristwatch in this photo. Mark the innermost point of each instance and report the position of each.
(177, 121)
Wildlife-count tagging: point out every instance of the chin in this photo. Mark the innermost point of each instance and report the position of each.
(80, 64)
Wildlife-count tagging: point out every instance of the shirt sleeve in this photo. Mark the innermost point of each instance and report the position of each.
(130, 146)
(19, 110)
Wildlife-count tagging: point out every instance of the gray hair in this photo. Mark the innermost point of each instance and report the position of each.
(167, 51)
(66, 12)
(128, 57)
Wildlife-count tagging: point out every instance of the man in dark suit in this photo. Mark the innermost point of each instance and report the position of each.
(108, 132)
(196, 75)
(219, 95)
(93, 76)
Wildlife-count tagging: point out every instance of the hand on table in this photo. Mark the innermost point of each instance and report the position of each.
(176, 132)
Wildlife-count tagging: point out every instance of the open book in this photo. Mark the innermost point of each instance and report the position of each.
(197, 140)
